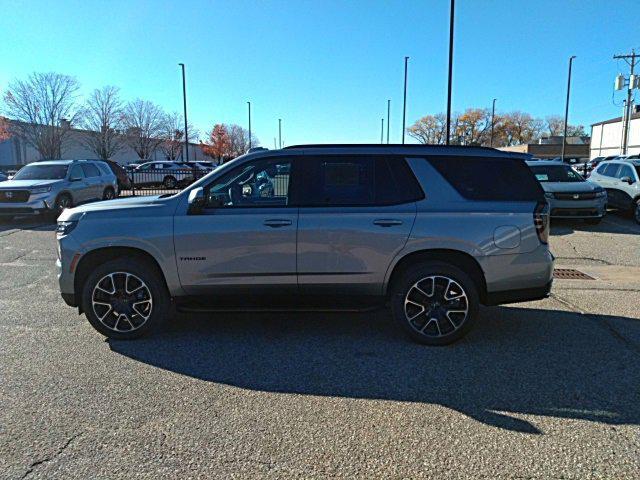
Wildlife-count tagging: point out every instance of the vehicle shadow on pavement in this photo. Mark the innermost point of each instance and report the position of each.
(27, 223)
(613, 222)
(518, 361)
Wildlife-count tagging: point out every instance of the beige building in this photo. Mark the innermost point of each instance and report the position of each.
(16, 152)
(606, 137)
(551, 147)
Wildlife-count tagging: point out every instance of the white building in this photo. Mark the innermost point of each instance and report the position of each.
(16, 152)
(606, 137)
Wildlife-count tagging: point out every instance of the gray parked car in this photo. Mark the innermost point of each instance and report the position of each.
(568, 193)
(432, 231)
(51, 186)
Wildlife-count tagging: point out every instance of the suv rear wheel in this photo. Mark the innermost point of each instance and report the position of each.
(435, 303)
(636, 213)
(125, 298)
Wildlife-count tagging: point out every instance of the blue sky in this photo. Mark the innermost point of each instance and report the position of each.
(327, 67)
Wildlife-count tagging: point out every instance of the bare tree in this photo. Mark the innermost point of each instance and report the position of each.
(143, 122)
(239, 140)
(43, 108)
(102, 117)
(430, 129)
(554, 125)
(172, 145)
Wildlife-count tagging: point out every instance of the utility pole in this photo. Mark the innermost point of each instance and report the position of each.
(404, 107)
(279, 133)
(631, 60)
(249, 103)
(388, 117)
(493, 116)
(382, 130)
(566, 108)
(184, 100)
(451, 15)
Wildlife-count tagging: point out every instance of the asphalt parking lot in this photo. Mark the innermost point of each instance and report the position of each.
(538, 390)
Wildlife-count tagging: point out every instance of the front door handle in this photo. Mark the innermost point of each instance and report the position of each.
(277, 222)
(387, 222)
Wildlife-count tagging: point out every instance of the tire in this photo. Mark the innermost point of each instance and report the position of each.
(140, 291)
(64, 200)
(108, 194)
(636, 213)
(170, 182)
(432, 278)
(593, 221)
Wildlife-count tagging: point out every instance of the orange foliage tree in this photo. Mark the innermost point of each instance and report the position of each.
(218, 145)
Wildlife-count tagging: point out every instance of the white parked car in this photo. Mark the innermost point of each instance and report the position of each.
(621, 179)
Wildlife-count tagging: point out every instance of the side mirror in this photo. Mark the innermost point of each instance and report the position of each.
(196, 200)
(628, 180)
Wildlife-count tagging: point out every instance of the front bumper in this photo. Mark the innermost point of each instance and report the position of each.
(594, 208)
(36, 204)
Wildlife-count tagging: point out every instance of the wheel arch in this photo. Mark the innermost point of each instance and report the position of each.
(105, 254)
(457, 258)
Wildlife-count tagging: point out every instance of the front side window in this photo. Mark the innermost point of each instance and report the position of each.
(42, 172)
(262, 183)
(625, 171)
(76, 172)
(90, 170)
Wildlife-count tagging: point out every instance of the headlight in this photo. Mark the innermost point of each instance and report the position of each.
(35, 191)
(601, 193)
(548, 195)
(65, 228)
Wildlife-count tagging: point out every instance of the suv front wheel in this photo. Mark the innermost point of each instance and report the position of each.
(125, 298)
(435, 303)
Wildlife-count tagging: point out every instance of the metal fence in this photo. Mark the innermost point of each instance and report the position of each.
(161, 181)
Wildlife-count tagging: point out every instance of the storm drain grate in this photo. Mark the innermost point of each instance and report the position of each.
(570, 274)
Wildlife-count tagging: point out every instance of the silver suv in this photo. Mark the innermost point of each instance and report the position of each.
(51, 186)
(621, 179)
(432, 231)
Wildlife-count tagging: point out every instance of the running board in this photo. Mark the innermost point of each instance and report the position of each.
(213, 308)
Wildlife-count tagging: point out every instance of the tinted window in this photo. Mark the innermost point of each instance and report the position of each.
(357, 181)
(489, 179)
(556, 173)
(76, 172)
(256, 184)
(104, 169)
(610, 169)
(90, 170)
(625, 171)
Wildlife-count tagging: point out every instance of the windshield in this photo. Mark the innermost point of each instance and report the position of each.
(556, 173)
(42, 172)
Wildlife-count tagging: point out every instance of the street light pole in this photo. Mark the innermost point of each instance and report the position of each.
(382, 130)
(184, 100)
(279, 133)
(388, 118)
(451, 16)
(493, 116)
(249, 104)
(566, 108)
(404, 106)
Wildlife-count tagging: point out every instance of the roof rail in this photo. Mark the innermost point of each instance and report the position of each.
(384, 145)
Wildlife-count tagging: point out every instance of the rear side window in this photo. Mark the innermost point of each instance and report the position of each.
(104, 169)
(90, 170)
(343, 180)
(625, 171)
(489, 178)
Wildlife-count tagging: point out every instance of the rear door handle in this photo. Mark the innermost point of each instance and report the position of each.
(277, 222)
(387, 222)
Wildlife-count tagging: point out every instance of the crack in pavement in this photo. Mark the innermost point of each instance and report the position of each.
(599, 319)
(51, 457)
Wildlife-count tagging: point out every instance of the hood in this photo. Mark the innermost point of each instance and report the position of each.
(10, 184)
(570, 187)
(118, 207)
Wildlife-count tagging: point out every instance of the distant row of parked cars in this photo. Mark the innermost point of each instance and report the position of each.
(48, 187)
(609, 182)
